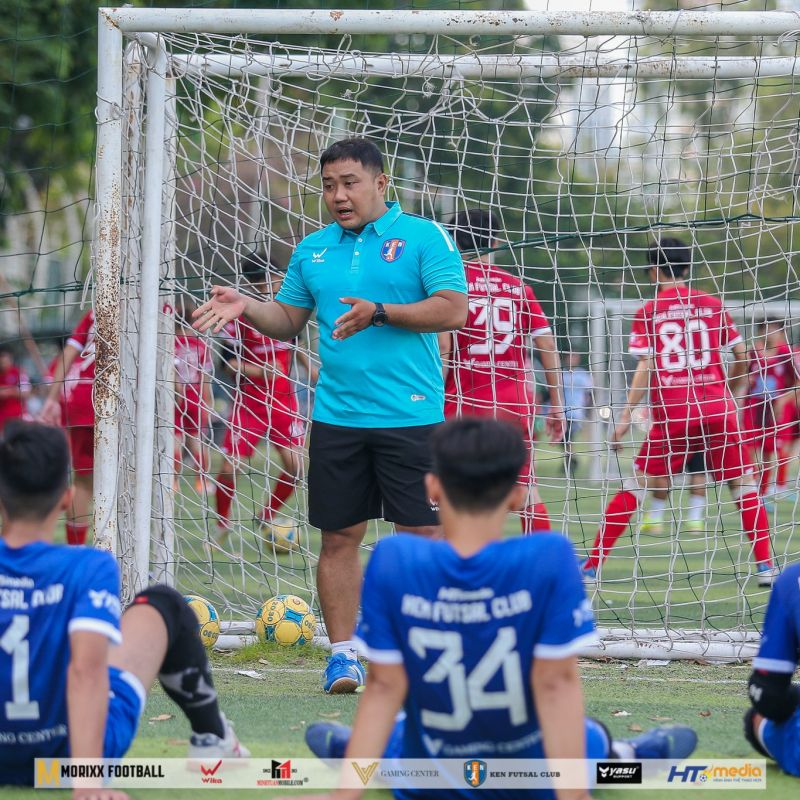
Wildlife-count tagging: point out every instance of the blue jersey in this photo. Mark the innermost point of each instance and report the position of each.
(780, 639)
(382, 377)
(47, 592)
(467, 631)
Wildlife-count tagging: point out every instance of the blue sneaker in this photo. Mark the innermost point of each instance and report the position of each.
(328, 740)
(673, 742)
(343, 675)
(589, 574)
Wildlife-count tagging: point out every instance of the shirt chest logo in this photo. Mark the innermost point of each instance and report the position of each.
(392, 249)
(318, 258)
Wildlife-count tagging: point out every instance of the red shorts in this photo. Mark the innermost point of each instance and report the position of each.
(761, 429)
(81, 448)
(716, 434)
(790, 424)
(519, 415)
(191, 418)
(249, 423)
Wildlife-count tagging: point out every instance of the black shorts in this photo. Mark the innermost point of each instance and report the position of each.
(358, 474)
(696, 463)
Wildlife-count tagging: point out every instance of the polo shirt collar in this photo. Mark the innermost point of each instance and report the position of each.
(383, 223)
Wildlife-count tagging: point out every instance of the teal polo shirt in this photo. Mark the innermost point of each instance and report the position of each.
(382, 377)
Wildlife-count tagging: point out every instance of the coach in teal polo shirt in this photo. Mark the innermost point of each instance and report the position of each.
(383, 283)
(387, 376)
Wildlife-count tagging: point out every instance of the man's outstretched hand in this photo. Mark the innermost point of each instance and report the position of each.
(225, 305)
(356, 319)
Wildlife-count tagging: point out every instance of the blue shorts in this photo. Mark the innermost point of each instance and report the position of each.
(126, 700)
(782, 742)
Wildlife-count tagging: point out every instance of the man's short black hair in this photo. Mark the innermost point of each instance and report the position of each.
(7, 350)
(478, 461)
(34, 469)
(259, 268)
(356, 149)
(671, 255)
(473, 229)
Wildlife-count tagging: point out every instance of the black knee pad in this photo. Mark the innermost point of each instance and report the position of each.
(183, 643)
(750, 733)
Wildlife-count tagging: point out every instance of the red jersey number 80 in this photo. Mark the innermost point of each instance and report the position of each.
(683, 346)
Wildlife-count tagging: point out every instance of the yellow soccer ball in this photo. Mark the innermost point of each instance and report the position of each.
(286, 620)
(284, 536)
(207, 619)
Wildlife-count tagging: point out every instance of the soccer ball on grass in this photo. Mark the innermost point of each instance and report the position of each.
(286, 620)
(207, 619)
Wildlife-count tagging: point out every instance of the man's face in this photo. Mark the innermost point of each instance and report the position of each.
(353, 193)
(6, 362)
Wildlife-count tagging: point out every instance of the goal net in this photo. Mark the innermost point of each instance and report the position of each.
(586, 135)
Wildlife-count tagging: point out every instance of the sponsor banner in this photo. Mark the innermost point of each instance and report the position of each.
(480, 774)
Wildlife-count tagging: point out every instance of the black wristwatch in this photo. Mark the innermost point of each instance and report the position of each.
(379, 317)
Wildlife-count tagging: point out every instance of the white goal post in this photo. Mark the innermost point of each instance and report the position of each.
(585, 133)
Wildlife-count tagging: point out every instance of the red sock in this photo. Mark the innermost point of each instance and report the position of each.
(224, 495)
(76, 532)
(783, 470)
(763, 483)
(535, 518)
(616, 518)
(281, 492)
(755, 524)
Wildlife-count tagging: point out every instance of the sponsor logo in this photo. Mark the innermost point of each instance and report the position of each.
(365, 773)
(416, 398)
(475, 772)
(745, 772)
(282, 769)
(209, 773)
(48, 772)
(281, 773)
(392, 249)
(611, 772)
(317, 258)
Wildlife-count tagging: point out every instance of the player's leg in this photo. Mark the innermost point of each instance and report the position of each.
(696, 470)
(342, 495)
(778, 741)
(534, 516)
(727, 461)
(159, 640)
(245, 430)
(653, 519)
(616, 517)
(662, 454)
(81, 445)
(329, 740)
(285, 434)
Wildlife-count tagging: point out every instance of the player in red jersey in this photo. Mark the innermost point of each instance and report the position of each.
(487, 373)
(678, 338)
(789, 433)
(69, 403)
(193, 400)
(14, 388)
(772, 377)
(264, 403)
